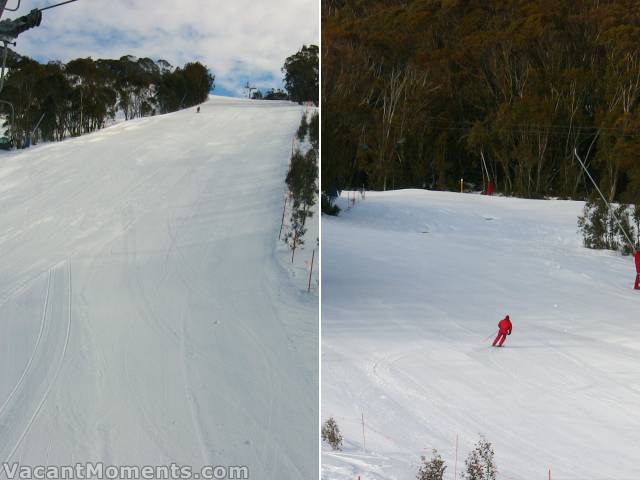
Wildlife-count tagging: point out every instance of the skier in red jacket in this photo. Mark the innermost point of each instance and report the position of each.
(637, 257)
(504, 329)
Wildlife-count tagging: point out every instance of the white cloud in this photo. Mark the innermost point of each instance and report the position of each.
(236, 39)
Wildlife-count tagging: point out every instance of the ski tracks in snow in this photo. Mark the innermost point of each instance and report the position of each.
(27, 368)
(27, 399)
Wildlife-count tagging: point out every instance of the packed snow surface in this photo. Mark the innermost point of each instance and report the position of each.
(145, 316)
(414, 283)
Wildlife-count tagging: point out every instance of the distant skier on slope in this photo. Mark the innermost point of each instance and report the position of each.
(504, 329)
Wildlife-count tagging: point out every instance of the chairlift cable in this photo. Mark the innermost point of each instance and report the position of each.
(56, 5)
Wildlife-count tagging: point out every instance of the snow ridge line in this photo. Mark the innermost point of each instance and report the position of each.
(55, 377)
(26, 370)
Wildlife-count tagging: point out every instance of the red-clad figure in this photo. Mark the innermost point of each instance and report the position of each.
(490, 189)
(504, 329)
(637, 257)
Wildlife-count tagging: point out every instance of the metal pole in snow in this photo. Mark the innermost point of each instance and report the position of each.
(484, 164)
(575, 151)
(33, 132)
(313, 256)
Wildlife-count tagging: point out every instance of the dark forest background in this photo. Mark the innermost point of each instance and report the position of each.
(55, 100)
(83, 95)
(416, 93)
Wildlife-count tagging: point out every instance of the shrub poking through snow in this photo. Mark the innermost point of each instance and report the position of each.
(328, 205)
(432, 469)
(480, 464)
(295, 237)
(331, 434)
(593, 224)
(600, 228)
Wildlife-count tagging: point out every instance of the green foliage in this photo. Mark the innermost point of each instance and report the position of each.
(635, 215)
(184, 87)
(432, 469)
(83, 95)
(314, 131)
(593, 225)
(624, 229)
(416, 92)
(302, 178)
(331, 434)
(302, 129)
(480, 464)
(302, 181)
(328, 206)
(295, 236)
(275, 94)
(301, 72)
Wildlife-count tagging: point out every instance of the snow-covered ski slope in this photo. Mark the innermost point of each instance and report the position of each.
(414, 283)
(145, 318)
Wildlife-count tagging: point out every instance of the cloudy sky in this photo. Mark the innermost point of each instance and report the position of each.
(238, 40)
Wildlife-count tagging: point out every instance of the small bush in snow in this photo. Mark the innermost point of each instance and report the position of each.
(593, 224)
(623, 230)
(295, 237)
(328, 206)
(432, 469)
(480, 464)
(600, 228)
(331, 434)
